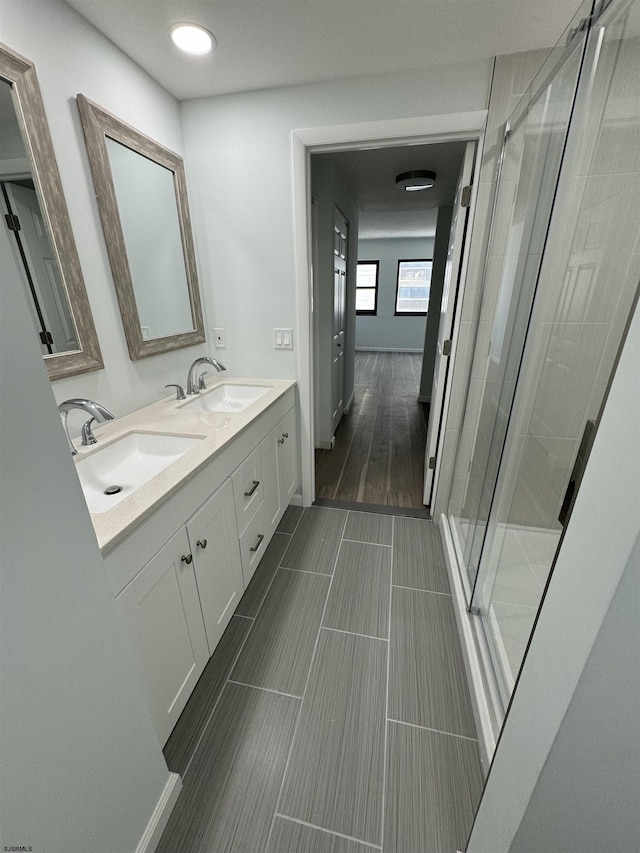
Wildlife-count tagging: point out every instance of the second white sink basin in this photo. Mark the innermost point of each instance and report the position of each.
(228, 398)
(111, 473)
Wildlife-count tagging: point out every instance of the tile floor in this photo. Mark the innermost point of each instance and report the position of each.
(334, 716)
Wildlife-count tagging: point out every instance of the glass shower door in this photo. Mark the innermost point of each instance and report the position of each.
(587, 287)
(530, 164)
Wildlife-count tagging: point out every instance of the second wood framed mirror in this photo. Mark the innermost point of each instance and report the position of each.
(142, 198)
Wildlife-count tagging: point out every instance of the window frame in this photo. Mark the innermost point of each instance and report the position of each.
(397, 313)
(363, 312)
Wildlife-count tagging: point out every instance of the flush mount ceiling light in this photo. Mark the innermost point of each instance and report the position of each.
(192, 38)
(414, 181)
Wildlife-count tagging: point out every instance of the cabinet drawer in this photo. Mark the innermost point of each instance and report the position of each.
(247, 488)
(252, 545)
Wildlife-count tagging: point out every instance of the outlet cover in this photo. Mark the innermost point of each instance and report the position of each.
(219, 340)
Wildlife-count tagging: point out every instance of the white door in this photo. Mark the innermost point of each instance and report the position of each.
(43, 268)
(340, 242)
(454, 265)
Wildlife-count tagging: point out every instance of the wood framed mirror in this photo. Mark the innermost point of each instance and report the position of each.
(142, 198)
(37, 239)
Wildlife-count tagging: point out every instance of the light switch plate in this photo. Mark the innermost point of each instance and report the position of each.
(219, 340)
(283, 338)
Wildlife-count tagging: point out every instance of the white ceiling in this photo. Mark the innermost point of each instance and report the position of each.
(266, 43)
(385, 211)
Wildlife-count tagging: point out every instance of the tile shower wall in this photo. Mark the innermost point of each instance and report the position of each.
(512, 75)
(587, 286)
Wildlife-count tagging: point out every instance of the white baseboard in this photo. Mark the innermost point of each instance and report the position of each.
(326, 445)
(296, 500)
(156, 826)
(481, 710)
(388, 349)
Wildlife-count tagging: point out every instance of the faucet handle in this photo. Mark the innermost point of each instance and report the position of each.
(180, 395)
(201, 383)
(88, 437)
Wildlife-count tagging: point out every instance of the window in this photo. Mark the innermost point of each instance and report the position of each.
(412, 290)
(367, 287)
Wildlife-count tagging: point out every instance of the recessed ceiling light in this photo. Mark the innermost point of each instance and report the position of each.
(192, 38)
(414, 181)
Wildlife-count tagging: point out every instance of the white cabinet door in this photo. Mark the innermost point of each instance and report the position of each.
(161, 612)
(288, 457)
(272, 508)
(213, 534)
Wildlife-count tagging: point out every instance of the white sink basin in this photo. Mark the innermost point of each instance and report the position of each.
(228, 398)
(113, 472)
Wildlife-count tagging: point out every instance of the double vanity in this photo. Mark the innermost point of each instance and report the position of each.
(184, 497)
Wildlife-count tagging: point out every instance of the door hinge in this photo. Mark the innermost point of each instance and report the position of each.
(465, 199)
(13, 223)
(432, 463)
(446, 348)
(46, 338)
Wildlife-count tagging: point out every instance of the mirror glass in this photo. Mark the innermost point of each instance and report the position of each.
(141, 192)
(35, 235)
(146, 200)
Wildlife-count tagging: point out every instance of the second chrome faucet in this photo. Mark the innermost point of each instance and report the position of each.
(193, 385)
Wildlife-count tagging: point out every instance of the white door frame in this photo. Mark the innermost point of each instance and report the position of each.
(374, 134)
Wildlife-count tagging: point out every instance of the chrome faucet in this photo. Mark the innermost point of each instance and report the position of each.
(192, 378)
(97, 412)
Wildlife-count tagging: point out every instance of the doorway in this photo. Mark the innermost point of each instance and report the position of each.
(393, 338)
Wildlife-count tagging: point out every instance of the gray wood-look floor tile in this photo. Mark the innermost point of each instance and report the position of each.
(291, 837)
(229, 797)
(434, 783)
(290, 519)
(427, 684)
(184, 738)
(418, 558)
(361, 590)
(369, 527)
(259, 583)
(315, 543)
(335, 773)
(278, 652)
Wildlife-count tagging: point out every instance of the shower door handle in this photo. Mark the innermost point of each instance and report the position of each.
(577, 472)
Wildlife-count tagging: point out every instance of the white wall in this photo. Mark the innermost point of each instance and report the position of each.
(385, 331)
(82, 769)
(71, 57)
(585, 800)
(239, 168)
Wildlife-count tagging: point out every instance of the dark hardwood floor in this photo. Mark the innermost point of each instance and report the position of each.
(378, 457)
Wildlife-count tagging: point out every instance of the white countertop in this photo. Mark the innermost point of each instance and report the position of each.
(175, 417)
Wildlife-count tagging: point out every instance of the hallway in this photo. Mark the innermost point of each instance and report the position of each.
(378, 456)
(312, 729)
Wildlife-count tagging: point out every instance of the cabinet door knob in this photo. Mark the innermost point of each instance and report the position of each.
(258, 543)
(202, 543)
(187, 559)
(254, 486)
(281, 441)
(285, 435)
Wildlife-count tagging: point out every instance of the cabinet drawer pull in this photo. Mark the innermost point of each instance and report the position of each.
(258, 543)
(187, 559)
(202, 543)
(255, 485)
